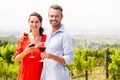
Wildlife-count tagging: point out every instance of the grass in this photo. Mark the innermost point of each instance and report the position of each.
(96, 76)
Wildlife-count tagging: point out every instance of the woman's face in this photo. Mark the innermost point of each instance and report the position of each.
(34, 23)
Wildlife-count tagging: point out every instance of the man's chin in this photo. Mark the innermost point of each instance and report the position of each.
(53, 25)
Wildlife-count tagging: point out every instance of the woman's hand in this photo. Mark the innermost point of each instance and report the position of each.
(27, 50)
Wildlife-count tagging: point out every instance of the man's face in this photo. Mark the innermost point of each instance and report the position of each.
(55, 17)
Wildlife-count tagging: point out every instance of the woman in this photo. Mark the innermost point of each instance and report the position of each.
(30, 68)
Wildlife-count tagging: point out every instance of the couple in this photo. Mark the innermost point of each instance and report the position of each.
(59, 49)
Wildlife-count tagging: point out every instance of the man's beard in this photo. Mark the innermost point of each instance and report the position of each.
(57, 25)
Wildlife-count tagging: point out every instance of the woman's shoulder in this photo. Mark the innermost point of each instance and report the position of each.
(44, 36)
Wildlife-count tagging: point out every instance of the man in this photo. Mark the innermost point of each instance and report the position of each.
(60, 48)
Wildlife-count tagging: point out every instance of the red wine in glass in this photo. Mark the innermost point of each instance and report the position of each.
(31, 45)
(42, 49)
(32, 52)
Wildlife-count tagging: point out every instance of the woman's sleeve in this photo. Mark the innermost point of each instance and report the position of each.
(19, 48)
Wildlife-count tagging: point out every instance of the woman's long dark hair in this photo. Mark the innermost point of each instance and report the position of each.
(41, 30)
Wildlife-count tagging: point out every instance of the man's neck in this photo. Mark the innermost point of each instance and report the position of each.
(54, 29)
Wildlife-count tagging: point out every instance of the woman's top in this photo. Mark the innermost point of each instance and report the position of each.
(30, 68)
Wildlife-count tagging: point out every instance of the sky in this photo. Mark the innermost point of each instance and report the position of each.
(80, 16)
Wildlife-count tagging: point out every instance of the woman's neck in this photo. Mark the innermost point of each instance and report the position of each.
(34, 35)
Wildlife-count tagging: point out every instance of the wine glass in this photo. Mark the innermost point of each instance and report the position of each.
(32, 44)
(31, 56)
(42, 49)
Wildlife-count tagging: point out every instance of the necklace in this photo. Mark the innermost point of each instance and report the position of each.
(35, 40)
